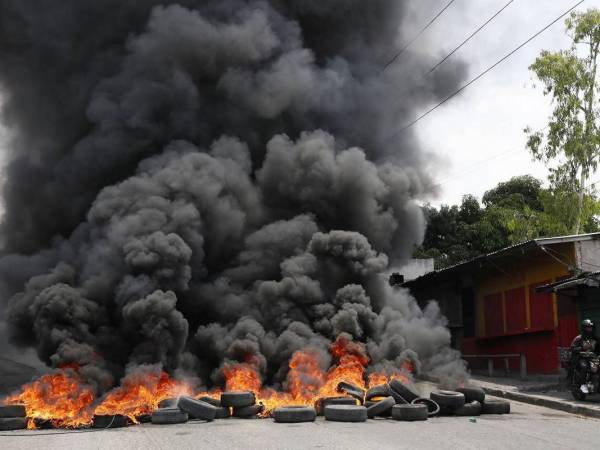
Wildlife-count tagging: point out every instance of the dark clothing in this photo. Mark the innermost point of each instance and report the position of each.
(581, 344)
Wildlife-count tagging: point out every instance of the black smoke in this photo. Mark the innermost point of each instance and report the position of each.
(201, 182)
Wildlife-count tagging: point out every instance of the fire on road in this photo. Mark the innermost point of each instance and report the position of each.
(528, 426)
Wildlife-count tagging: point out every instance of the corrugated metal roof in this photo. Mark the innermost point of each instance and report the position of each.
(522, 246)
(591, 279)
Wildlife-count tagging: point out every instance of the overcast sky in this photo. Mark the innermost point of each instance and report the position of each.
(479, 134)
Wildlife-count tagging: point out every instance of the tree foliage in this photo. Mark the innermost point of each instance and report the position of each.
(572, 138)
(514, 211)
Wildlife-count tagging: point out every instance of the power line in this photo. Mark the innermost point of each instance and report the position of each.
(473, 166)
(428, 73)
(490, 68)
(416, 36)
(470, 36)
(453, 175)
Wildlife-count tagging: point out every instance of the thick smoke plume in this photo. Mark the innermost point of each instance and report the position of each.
(198, 183)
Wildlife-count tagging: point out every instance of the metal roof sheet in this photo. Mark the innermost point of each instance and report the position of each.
(522, 246)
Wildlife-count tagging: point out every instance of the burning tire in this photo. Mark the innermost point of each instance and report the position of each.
(237, 399)
(472, 394)
(352, 390)
(144, 418)
(387, 413)
(345, 413)
(248, 412)
(110, 421)
(169, 416)
(222, 413)
(382, 390)
(451, 399)
(321, 403)
(468, 409)
(13, 423)
(405, 391)
(10, 411)
(410, 413)
(170, 402)
(495, 407)
(294, 414)
(432, 407)
(197, 409)
(210, 400)
(381, 407)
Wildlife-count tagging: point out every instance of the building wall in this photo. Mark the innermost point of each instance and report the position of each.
(588, 255)
(521, 275)
(492, 306)
(512, 318)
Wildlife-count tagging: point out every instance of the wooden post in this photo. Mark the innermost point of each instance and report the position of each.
(523, 365)
(490, 367)
(506, 367)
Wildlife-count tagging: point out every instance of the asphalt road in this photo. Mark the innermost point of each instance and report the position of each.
(528, 427)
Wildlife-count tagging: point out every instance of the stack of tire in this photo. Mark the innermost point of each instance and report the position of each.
(174, 411)
(468, 401)
(385, 400)
(411, 408)
(242, 403)
(13, 417)
(322, 403)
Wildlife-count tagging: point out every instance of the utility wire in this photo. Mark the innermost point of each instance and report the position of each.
(454, 175)
(416, 36)
(470, 36)
(469, 169)
(490, 68)
(429, 72)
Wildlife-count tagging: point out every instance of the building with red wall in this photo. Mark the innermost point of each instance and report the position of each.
(495, 303)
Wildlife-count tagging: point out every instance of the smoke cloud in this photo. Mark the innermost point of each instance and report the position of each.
(192, 184)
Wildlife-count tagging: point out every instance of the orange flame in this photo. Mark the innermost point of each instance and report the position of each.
(61, 397)
(65, 400)
(241, 377)
(140, 393)
(306, 380)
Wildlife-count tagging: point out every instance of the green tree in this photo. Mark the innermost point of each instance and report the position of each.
(517, 192)
(514, 211)
(572, 138)
(561, 211)
(456, 233)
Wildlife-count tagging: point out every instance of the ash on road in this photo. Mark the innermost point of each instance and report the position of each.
(528, 426)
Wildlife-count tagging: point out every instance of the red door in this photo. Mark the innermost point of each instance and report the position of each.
(541, 307)
(567, 320)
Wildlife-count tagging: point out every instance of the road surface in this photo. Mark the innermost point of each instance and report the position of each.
(528, 427)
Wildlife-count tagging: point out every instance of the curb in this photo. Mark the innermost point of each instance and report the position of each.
(545, 402)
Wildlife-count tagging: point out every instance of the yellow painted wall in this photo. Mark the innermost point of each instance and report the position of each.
(523, 272)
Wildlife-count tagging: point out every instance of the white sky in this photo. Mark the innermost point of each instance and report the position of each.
(479, 133)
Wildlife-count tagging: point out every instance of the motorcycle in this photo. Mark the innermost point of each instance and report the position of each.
(584, 374)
